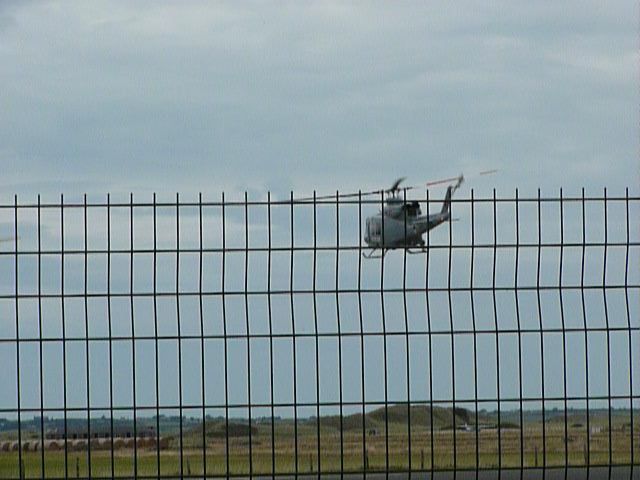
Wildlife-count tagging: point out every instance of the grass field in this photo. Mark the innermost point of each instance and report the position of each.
(368, 452)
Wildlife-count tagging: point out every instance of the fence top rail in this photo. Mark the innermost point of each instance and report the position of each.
(376, 200)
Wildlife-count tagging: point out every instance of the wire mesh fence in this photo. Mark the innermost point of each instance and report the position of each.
(216, 338)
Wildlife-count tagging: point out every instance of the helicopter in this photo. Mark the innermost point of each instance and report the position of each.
(401, 224)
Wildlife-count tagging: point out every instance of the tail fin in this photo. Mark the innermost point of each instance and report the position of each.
(446, 206)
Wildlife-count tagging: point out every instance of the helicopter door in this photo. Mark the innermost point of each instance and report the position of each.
(374, 230)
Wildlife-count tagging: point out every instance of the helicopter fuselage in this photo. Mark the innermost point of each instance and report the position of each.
(386, 232)
(400, 224)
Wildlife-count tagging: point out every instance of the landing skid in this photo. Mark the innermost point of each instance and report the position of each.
(372, 254)
(411, 251)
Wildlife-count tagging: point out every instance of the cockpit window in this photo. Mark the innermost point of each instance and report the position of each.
(375, 228)
(412, 210)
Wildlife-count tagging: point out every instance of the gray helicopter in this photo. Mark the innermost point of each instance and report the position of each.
(401, 224)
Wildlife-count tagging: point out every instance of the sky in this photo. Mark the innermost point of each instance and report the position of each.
(122, 97)
(154, 96)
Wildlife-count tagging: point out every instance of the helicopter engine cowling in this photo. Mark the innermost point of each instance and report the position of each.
(398, 209)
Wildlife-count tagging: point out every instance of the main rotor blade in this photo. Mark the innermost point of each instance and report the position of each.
(339, 195)
(459, 178)
(434, 182)
(446, 180)
(381, 191)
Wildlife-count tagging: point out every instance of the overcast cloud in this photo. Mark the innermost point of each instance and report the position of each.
(195, 96)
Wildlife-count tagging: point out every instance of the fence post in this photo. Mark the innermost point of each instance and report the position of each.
(586, 454)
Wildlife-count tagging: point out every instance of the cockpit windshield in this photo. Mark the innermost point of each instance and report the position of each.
(374, 227)
(412, 209)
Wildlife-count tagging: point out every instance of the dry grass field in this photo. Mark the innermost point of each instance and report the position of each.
(351, 451)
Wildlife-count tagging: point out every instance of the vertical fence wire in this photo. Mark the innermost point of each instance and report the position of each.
(247, 327)
(292, 314)
(361, 332)
(564, 338)
(606, 320)
(495, 325)
(429, 330)
(519, 328)
(406, 345)
(64, 336)
(541, 333)
(226, 342)
(271, 384)
(40, 336)
(17, 326)
(110, 326)
(475, 336)
(453, 348)
(155, 334)
(584, 325)
(337, 299)
(203, 379)
(384, 341)
(626, 297)
(316, 329)
(133, 337)
(86, 332)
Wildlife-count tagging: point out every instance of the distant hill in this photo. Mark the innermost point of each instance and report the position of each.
(399, 414)
(236, 429)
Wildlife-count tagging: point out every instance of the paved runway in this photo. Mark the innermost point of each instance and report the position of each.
(595, 473)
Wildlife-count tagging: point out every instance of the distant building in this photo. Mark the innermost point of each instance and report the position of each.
(465, 428)
(75, 432)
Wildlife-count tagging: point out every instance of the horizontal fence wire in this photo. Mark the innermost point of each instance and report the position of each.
(232, 338)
